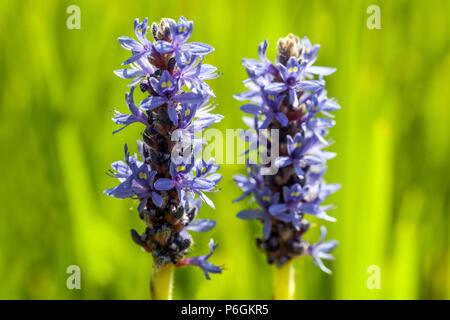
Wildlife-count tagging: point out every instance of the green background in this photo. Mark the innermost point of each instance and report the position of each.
(392, 138)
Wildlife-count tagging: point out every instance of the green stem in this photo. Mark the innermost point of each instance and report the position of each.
(284, 282)
(162, 282)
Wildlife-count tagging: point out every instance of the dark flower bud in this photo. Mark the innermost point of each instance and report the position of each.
(166, 31)
(155, 31)
(305, 226)
(171, 64)
(144, 85)
(286, 232)
(179, 212)
(282, 261)
(161, 261)
(154, 156)
(298, 247)
(261, 244)
(137, 238)
(156, 74)
(273, 243)
(185, 243)
(163, 234)
(163, 32)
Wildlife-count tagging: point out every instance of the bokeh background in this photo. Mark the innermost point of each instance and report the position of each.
(392, 138)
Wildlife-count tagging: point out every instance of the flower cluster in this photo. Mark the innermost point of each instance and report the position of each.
(166, 182)
(291, 97)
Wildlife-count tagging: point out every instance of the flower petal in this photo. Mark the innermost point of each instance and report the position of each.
(164, 184)
(201, 225)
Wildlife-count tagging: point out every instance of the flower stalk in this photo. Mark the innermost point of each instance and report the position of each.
(169, 178)
(161, 283)
(284, 282)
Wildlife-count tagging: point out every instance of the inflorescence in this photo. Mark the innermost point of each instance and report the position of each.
(167, 180)
(288, 97)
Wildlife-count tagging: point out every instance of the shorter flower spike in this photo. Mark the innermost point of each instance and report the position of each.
(287, 96)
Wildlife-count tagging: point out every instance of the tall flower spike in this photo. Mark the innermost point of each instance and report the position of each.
(286, 96)
(167, 187)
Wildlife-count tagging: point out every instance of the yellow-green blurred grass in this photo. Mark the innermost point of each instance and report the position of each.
(57, 90)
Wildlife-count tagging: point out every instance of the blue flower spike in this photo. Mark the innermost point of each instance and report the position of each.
(169, 190)
(289, 95)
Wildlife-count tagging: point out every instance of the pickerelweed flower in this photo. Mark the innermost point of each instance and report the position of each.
(171, 73)
(287, 96)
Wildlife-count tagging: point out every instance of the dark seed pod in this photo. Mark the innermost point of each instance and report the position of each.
(141, 179)
(161, 260)
(179, 212)
(144, 85)
(171, 64)
(185, 243)
(155, 31)
(164, 234)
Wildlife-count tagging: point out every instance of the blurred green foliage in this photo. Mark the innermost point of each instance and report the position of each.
(392, 137)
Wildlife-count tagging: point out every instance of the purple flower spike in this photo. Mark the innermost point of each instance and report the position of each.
(289, 96)
(169, 188)
(201, 261)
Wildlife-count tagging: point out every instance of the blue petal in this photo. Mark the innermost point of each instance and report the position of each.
(251, 108)
(311, 85)
(282, 119)
(188, 97)
(215, 177)
(129, 73)
(299, 170)
(266, 228)
(134, 58)
(266, 122)
(293, 99)
(206, 199)
(328, 245)
(142, 204)
(199, 48)
(173, 115)
(282, 162)
(204, 184)
(129, 44)
(277, 208)
(201, 225)
(321, 71)
(157, 199)
(164, 184)
(249, 214)
(275, 87)
(322, 123)
(246, 95)
(152, 102)
(163, 46)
